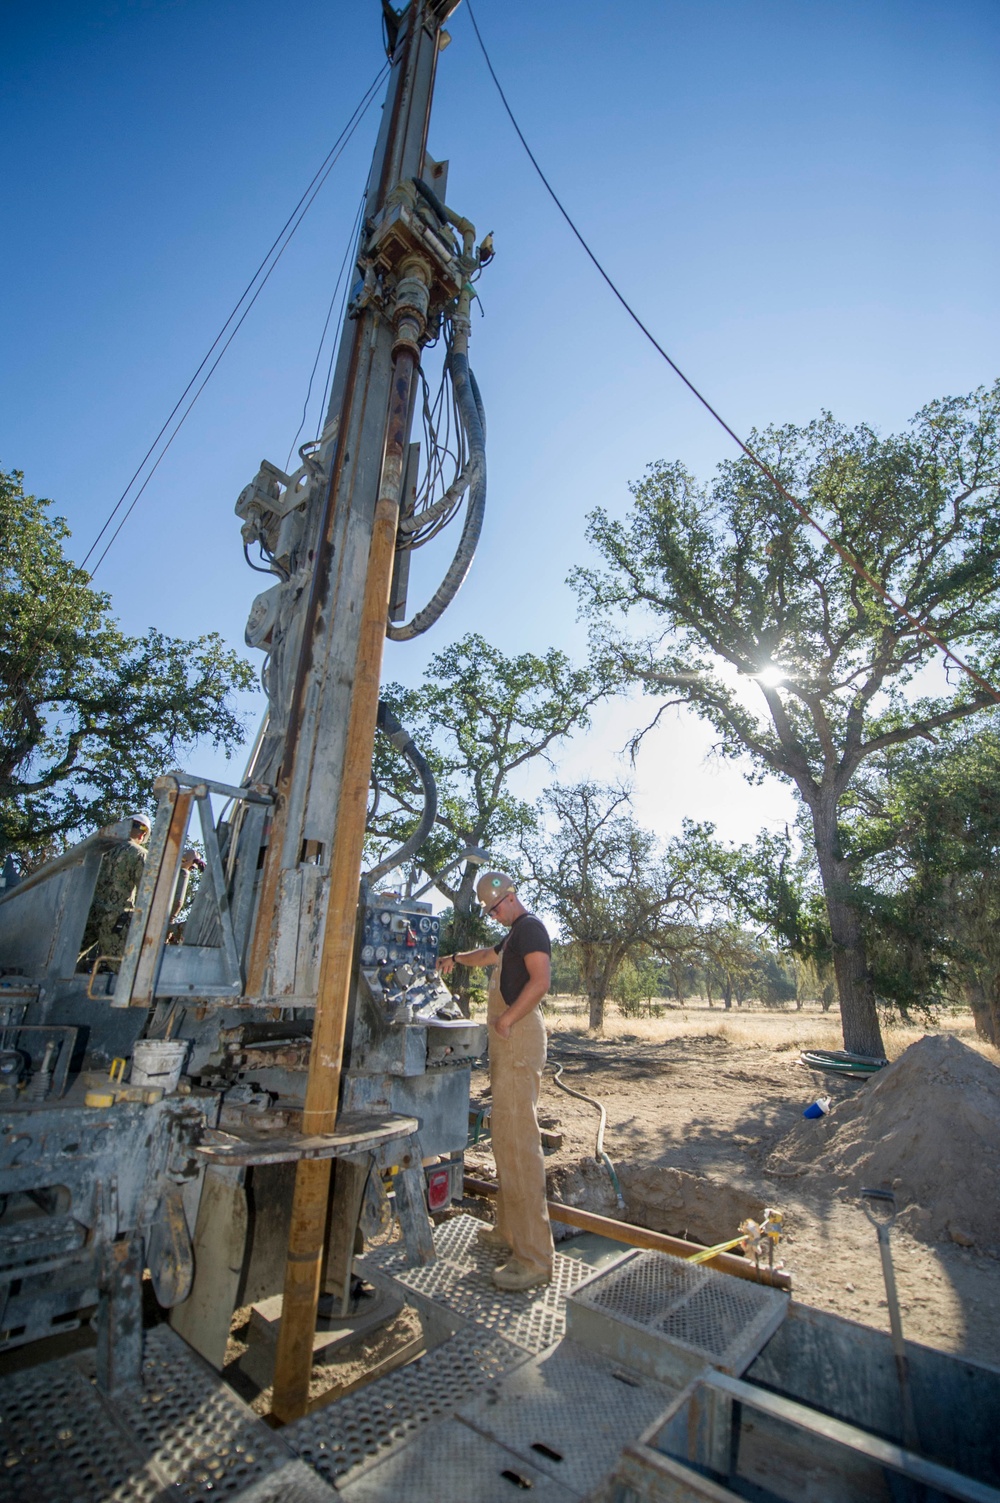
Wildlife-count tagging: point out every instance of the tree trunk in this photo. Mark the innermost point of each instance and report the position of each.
(597, 977)
(985, 1014)
(727, 993)
(464, 938)
(859, 1016)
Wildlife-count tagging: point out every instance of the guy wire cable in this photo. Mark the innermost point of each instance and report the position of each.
(234, 331)
(329, 161)
(843, 553)
(351, 242)
(281, 242)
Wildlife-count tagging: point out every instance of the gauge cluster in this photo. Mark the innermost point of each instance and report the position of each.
(398, 933)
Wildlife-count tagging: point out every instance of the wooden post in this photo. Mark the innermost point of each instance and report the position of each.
(293, 1362)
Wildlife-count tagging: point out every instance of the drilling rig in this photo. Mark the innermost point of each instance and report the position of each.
(322, 1059)
(232, 1113)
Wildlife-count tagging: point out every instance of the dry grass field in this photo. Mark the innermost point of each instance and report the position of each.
(752, 1026)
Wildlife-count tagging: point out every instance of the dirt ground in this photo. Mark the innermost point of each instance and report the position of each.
(701, 1109)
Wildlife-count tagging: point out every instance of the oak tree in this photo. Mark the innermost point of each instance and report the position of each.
(924, 829)
(757, 623)
(478, 717)
(615, 891)
(90, 716)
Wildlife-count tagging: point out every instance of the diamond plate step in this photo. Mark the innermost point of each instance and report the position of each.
(347, 1437)
(450, 1463)
(59, 1439)
(569, 1412)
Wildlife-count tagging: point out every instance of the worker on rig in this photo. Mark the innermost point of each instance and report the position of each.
(517, 1059)
(114, 895)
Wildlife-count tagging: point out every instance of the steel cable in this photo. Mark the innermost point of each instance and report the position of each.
(288, 229)
(351, 241)
(843, 553)
(279, 245)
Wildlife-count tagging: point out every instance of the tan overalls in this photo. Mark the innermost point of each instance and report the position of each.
(516, 1066)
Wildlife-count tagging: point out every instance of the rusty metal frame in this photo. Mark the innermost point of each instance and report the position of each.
(139, 977)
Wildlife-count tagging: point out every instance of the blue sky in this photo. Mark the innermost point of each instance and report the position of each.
(800, 199)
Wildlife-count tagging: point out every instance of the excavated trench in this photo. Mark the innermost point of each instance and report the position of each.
(685, 1205)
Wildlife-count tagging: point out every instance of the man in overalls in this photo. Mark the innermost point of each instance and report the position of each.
(517, 1059)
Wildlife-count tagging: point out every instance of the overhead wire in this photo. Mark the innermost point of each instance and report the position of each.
(351, 242)
(843, 553)
(284, 234)
(261, 275)
(236, 327)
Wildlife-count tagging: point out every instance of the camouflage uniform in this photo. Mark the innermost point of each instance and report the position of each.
(114, 899)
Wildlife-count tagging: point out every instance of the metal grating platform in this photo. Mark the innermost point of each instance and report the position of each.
(458, 1289)
(344, 1438)
(182, 1436)
(293, 1482)
(671, 1319)
(58, 1439)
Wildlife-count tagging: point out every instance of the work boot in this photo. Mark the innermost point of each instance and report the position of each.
(489, 1236)
(515, 1275)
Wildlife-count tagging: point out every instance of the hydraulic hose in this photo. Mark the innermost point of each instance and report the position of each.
(599, 1153)
(458, 486)
(470, 410)
(404, 743)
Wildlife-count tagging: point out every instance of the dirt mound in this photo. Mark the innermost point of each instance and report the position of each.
(926, 1127)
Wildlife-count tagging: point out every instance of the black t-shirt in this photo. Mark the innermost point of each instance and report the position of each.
(527, 936)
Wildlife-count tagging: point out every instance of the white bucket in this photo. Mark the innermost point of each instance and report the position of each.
(158, 1062)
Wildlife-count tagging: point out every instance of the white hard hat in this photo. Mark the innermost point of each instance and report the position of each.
(140, 819)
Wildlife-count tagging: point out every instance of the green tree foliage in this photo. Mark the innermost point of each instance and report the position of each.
(730, 958)
(924, 830)
(566, 980)
(90, 716)
(638, 981)
(478, 717)
(762, 628)
(615, 892)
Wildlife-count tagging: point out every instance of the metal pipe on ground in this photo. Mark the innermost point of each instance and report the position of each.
(641, 1236)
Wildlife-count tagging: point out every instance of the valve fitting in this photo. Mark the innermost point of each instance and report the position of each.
(411, 304)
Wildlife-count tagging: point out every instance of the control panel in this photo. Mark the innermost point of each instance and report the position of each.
(399, 951)
(399, 933)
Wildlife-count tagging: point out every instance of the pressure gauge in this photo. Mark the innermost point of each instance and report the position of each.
(384, 919)
(368, 954)
(381, 953)
(425, 925)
